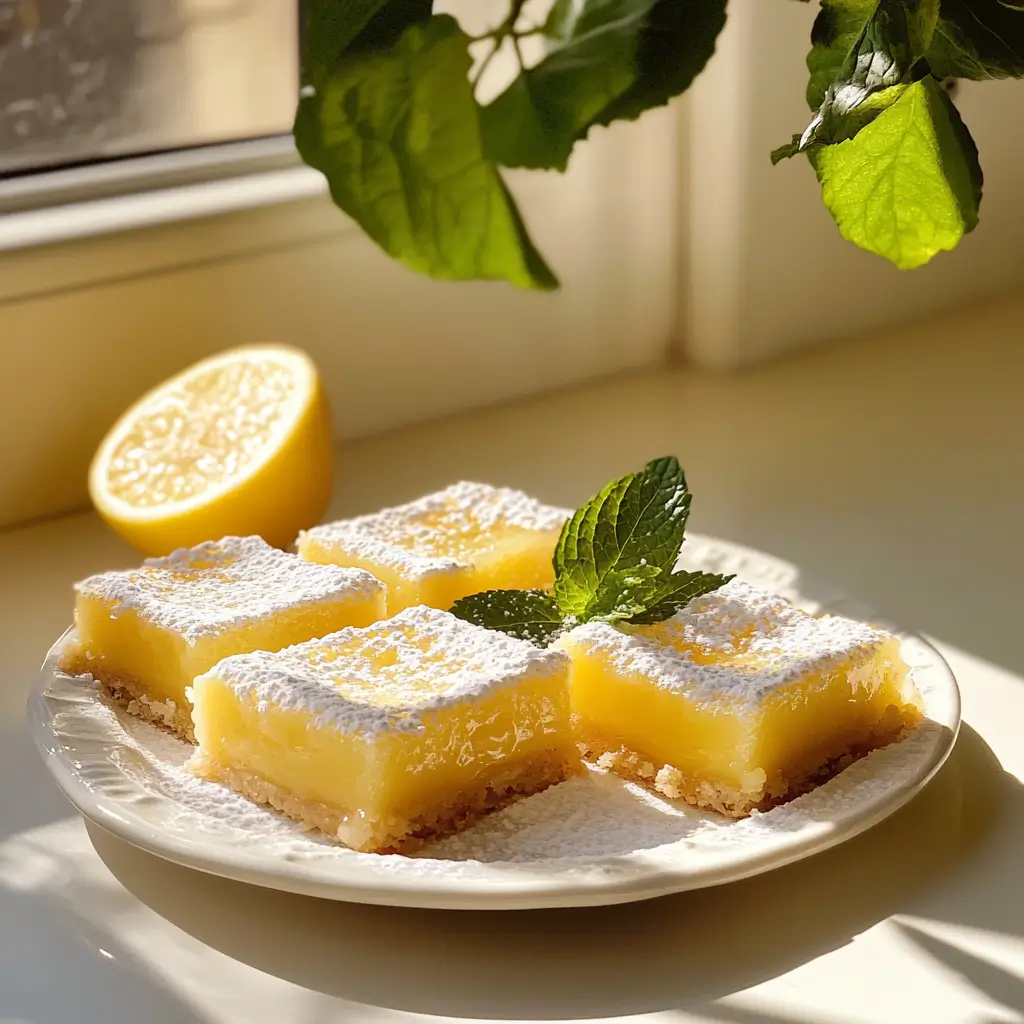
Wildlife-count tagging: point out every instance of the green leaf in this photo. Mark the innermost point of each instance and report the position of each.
(622, 594)
(607, 60)
(978, 39)
(613, 549)
(331, 27)
(676, 592)
(396, 133)
(885, 57)
(790, 149)
(837, 28)
(527, 614)
(909, 184)
(675, 45)
(537, 119)
(614, 561)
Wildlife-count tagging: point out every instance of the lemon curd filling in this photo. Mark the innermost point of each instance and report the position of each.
(738, 702)
(388, 734)
(146, 633)
(465, 539)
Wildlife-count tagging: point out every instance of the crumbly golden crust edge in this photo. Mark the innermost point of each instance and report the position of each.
(667, 780)
(401, 834)
(131, 695)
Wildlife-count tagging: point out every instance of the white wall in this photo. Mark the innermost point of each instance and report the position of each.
(767, 269)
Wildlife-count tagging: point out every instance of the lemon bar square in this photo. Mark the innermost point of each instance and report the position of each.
(384, 736)
(738, 702)
(465, 539)
(145, 633)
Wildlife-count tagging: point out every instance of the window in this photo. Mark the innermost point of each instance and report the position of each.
(83, 80)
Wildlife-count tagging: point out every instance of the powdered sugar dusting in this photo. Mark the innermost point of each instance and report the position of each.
(596, 839)
(222, 584)
(439, 532)
(598, 823)
(601, 815)
(386, 676)
(767, 641)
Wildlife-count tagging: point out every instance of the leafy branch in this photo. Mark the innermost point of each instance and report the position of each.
(389, 114)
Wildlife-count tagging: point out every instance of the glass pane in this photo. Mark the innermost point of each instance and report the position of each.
(87, 79)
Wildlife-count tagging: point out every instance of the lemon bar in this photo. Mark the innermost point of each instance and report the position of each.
(738, 702)
(465, 539)
(145, 633)
(386, 735)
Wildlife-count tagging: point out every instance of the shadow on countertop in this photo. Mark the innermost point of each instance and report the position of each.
(689, 950)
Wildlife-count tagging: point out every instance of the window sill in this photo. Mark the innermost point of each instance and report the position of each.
(57, 224)
(67, 229)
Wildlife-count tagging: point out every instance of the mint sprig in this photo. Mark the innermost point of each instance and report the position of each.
(528, 614)
(614, 562)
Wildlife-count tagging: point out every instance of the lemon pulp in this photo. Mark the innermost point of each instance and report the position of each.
(239, 443)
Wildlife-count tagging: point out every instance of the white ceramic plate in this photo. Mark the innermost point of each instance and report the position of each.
(595, 840)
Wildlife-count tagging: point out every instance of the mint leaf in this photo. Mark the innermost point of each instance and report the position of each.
(396, 132)
(884, 58)
(607, 60)
(527, 614)
(676, 592)
(909, 184)
(622, 594)
(576, 570)
(614, 561)
(978, 39)
(615, 546)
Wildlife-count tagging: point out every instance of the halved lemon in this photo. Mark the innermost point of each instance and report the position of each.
(240, 443)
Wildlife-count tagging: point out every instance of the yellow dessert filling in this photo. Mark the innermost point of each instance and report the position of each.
(739, 701)
(379, 736)
(146, 633)
(460, 541)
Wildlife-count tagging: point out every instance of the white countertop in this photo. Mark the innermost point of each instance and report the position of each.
(893, 468)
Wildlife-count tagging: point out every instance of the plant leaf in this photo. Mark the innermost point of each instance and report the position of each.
(837, 28)
(527, 614)
(622, 594)
(784, 152)
(909, 185)
(885, 57)
(614, 546)
(675, 45)
(978, 39)
(537, 119)
(396, 133)
(676, 592)
(607, 60)
(331, 27)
